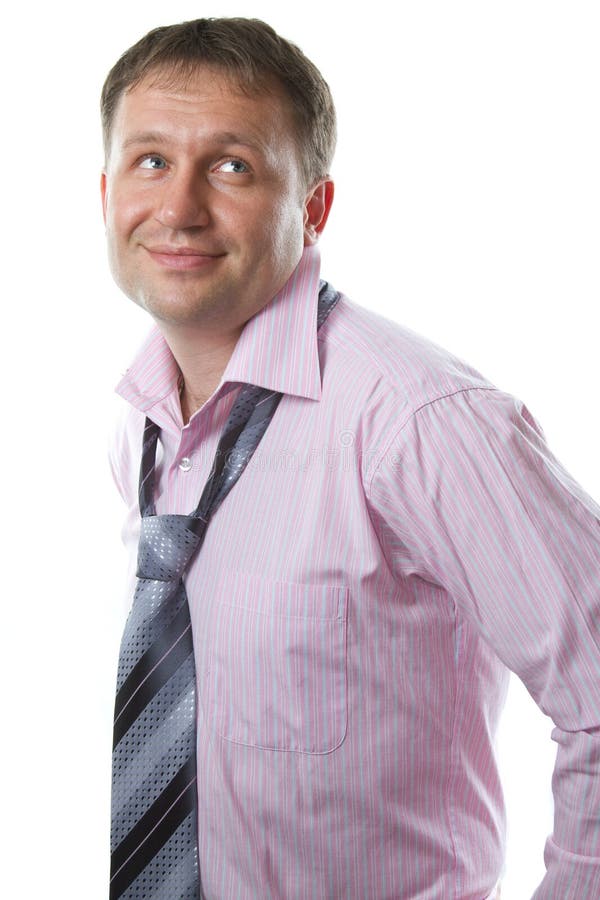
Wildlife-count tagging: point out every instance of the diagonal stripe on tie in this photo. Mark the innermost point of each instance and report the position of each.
(154, 777)
(157, 760)
(173, 873)
(146, 626)
(172, 885)
(174, 656)
(177, 801)
(153, 817)
(153, 669)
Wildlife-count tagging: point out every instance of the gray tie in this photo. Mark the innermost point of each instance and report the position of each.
(154, 847)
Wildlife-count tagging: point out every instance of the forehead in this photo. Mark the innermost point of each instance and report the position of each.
(204, 99)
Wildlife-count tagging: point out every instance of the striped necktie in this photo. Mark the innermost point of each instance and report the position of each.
(154, 846)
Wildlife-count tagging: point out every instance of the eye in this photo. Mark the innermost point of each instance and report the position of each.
(152, 162)
(237, 166)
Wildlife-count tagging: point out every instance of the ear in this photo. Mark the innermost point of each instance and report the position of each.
(316, 210)
(104, 194)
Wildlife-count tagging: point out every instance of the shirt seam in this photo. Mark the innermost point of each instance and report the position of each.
(384, 451)
(450, 785)
(148, 402)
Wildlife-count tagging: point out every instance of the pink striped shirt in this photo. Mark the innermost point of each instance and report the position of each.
(402, 537)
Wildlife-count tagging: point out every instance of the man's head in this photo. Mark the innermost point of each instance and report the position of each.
(253, 56)
(218, 136)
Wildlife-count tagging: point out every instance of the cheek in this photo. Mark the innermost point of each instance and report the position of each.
(124, 214)
(125, 211)
(290, 232)
(281, 227)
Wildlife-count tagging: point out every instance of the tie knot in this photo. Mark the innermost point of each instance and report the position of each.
(167, 544)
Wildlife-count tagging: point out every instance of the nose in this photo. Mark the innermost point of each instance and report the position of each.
(184, 201)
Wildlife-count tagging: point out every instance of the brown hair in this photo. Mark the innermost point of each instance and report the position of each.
(252, 53)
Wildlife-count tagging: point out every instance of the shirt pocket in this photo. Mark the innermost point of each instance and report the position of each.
(277, 670)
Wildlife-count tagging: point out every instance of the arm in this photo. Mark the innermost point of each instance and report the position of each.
(480, 505)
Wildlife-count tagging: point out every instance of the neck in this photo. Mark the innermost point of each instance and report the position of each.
(202, 358)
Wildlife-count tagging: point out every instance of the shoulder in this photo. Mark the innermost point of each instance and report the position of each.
(385, 358)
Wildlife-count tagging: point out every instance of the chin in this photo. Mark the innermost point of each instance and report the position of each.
(183, 311)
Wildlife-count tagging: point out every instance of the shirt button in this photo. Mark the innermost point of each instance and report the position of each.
(186, 464)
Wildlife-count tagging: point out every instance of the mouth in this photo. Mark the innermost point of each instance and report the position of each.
(182, 258)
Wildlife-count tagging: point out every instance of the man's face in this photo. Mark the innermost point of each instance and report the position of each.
(206, 209)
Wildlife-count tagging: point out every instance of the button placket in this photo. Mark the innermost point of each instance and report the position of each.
(204, 427)
(191, 437)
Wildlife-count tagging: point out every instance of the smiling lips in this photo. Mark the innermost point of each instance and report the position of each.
(182, 258)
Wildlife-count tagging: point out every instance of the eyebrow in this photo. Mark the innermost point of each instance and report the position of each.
(220, 137)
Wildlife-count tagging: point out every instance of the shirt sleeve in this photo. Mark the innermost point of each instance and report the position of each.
(118, 451)
(124, 473)
(478, 504)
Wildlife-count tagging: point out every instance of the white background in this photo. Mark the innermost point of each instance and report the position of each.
(467, 208)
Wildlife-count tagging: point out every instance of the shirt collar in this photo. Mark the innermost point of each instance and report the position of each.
(277, 348)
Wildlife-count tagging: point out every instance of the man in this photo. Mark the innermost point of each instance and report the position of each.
(399, 538)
